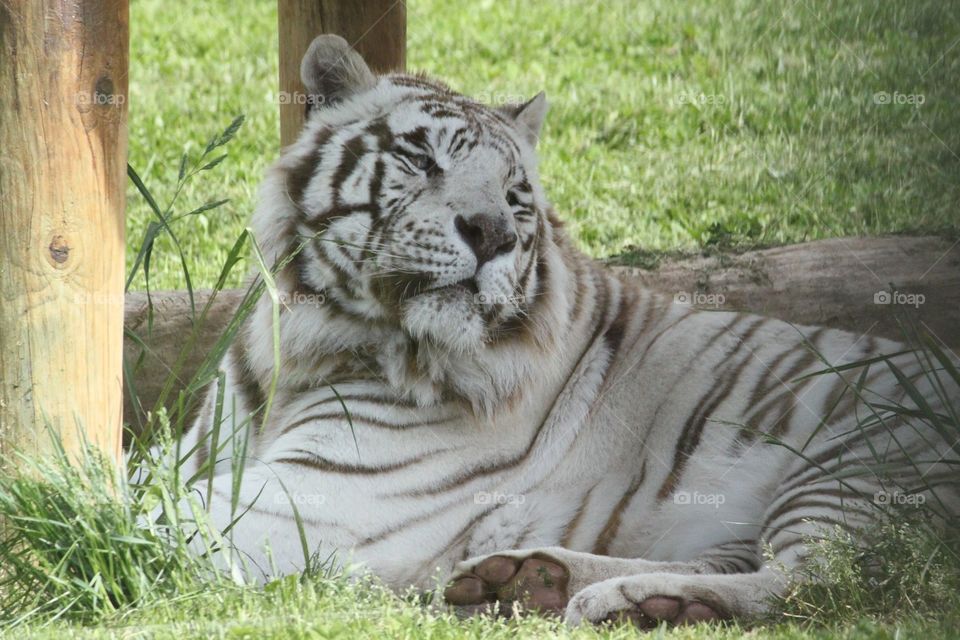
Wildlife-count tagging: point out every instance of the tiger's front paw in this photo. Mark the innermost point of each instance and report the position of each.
(496, 583)
(645, 602)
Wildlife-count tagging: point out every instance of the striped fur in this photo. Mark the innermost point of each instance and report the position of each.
(536, 402)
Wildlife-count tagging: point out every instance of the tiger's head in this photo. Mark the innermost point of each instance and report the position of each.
(411, 206)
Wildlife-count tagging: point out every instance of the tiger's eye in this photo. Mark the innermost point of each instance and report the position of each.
(422, 162)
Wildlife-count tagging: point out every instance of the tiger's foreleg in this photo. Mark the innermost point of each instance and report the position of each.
(651, 599)
(552, 579)
(727, 581)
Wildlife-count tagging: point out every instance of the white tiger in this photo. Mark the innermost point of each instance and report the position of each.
(462, 393)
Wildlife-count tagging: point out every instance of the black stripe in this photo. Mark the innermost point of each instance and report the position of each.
(362, 420)
(793, 505)
(572, 524)
(317, 463)
(690, 437)
(614, 334)
(376, 188)
(299, 176)
(381, 131)
(417, 138)
(780, 548)
(755, 422)
(350, 158)
(609, 530)
(810, 522)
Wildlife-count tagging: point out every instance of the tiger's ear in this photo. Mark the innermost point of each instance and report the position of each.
(331, 70)
(528, 116)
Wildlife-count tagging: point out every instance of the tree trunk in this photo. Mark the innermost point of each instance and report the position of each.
(830, 282)
(63, 88)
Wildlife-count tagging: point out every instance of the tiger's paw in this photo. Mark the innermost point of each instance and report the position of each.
(649, 613)
(496, 583)
(643, 603)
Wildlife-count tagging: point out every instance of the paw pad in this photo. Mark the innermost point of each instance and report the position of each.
(656, 609)
(537, 583)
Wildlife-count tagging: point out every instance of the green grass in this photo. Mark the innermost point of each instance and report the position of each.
(333, 609)
(80, 564)
(674, 125)
(80, 543)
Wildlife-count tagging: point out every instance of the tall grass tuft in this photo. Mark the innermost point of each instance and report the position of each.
(79, 542)
(897, 570)
(908, 564)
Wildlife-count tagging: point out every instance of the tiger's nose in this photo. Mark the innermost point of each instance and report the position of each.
(487, 235)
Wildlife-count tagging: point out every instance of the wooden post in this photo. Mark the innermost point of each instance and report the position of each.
(375, 28)
(63, 149)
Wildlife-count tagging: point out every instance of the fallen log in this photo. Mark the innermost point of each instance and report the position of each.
(858, 284)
